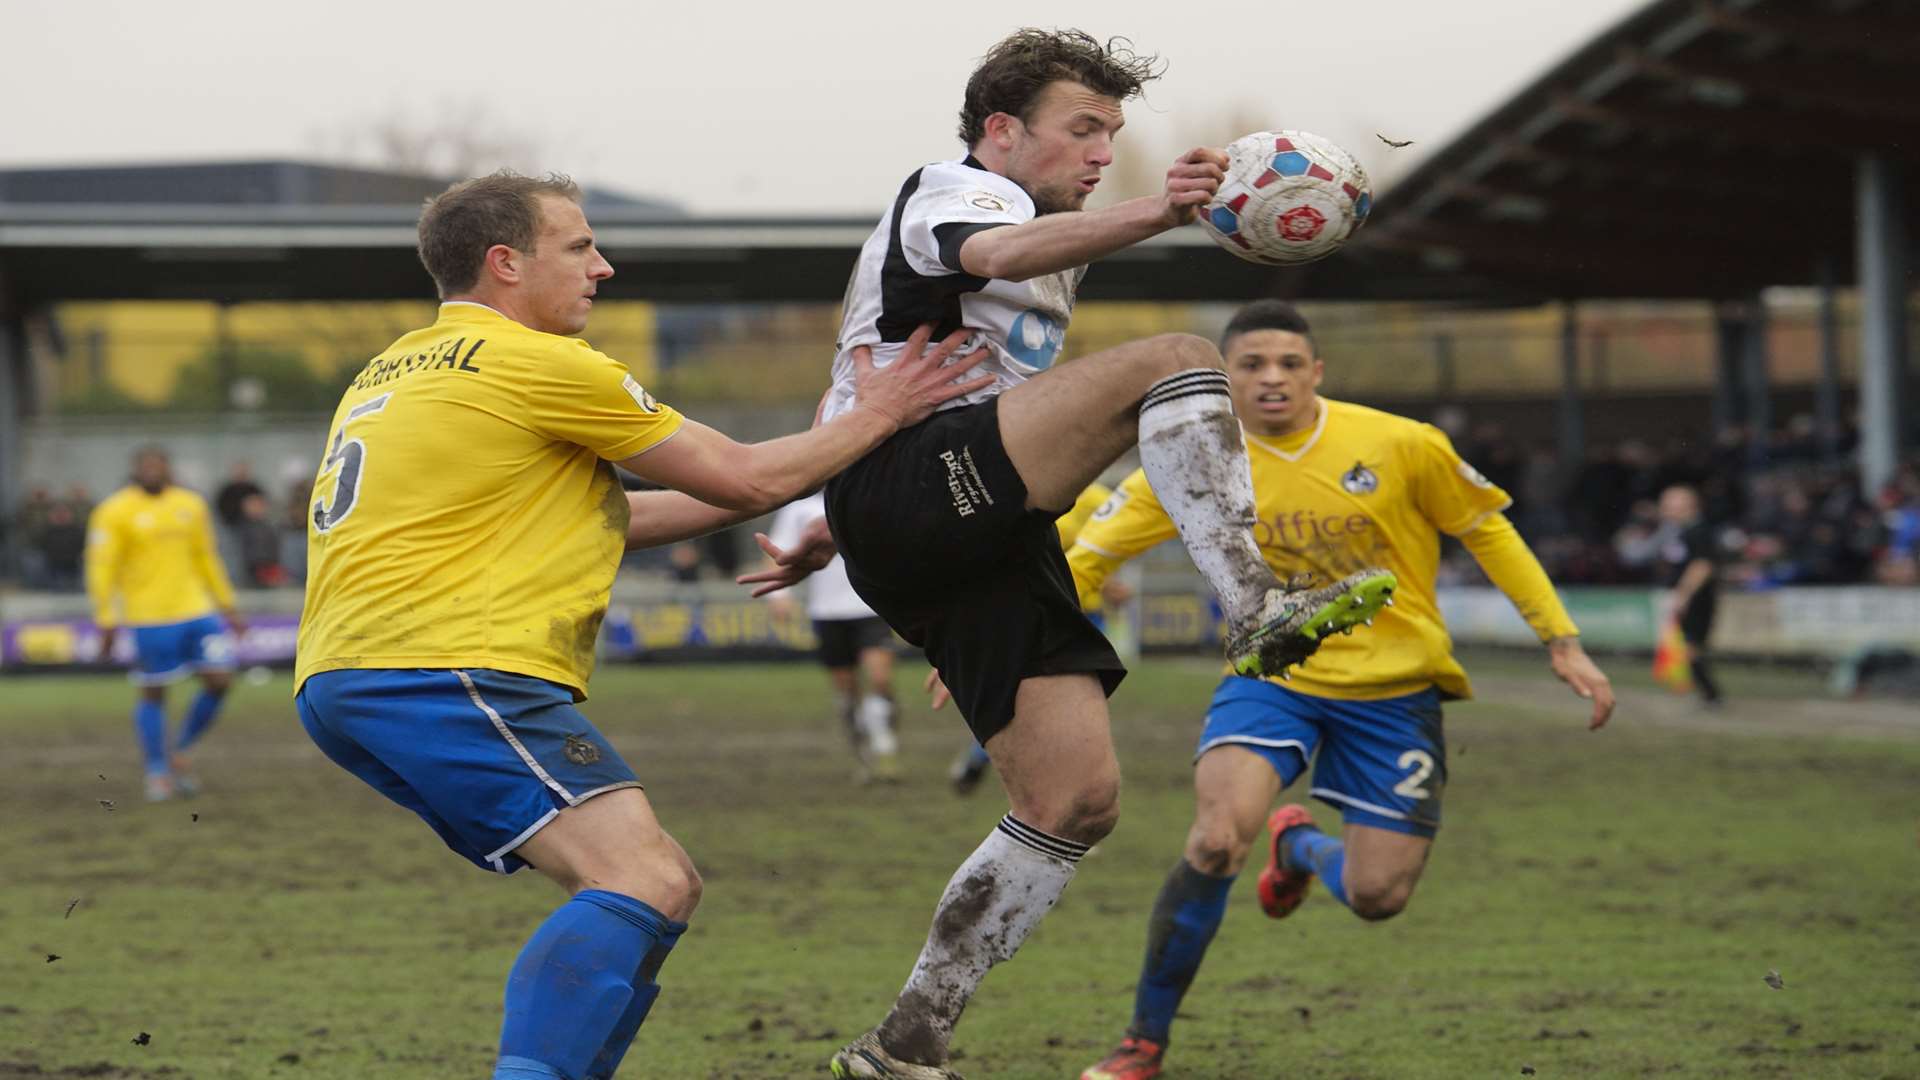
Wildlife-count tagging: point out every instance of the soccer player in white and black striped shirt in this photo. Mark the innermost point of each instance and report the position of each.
(947, 528)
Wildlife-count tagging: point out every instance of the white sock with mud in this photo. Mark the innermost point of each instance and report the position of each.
(1196, 459)
(994, 901)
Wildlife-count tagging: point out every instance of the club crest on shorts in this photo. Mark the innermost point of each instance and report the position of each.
(1359, 480)
(580, 751)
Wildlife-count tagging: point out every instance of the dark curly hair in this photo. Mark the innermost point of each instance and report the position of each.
(1012, 74)
(1268, 315)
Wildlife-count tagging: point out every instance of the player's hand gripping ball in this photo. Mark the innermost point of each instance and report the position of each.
(1289, 197)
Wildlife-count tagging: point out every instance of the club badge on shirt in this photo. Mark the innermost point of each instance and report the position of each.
(1359, 480)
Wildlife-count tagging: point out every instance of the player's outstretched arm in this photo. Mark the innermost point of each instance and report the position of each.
(1056, 242)
(754, 478)
(1501, 552)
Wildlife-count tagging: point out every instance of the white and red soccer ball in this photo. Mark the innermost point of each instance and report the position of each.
(1289, 197)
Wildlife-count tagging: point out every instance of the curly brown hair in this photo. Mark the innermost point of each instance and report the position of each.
(1014, 72)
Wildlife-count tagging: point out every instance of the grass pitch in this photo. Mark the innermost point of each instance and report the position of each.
(1597, 905)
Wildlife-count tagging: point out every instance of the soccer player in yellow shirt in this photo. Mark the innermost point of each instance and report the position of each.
(1337, 486)
(153, 568)
(465, 530)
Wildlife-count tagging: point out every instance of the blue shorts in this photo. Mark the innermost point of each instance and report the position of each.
(484, 757)
(1383, 763)
(168, 653)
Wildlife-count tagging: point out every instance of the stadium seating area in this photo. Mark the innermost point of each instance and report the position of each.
(1791, 516)
(1792, 509)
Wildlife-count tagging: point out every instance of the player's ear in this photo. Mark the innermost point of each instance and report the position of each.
(1319, 370)
(1002, 129)
(502, 263)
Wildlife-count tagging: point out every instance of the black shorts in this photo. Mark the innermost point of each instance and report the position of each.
(843, 640)
(1696, 622)
(938, 541)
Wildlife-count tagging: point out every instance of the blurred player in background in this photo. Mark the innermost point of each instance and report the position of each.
(153, 567)
(948, 528)
(466, 526)
(1689, 568)
(1338, 487)
(854, 644)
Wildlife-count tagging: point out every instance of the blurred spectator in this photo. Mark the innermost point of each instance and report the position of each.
(230, 501)
(259, 543)
(293, 532)
(1797, 519)
(63, 546)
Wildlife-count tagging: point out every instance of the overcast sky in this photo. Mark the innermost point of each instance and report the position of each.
(732, 106)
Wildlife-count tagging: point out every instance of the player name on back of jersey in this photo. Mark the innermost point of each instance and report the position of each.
(385, 369)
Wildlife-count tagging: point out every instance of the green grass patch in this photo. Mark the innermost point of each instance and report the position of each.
(1597, 905)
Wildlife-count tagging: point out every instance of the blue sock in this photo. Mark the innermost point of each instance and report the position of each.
(1307, 848)
(200, 715)
(646, 988)
(150, 725)
(977, 757)
(1185, 916)
(572, 984)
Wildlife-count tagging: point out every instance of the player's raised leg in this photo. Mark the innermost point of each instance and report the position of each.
(1056, 759)
(1170, 395)
(1233, 787)
(583, 984)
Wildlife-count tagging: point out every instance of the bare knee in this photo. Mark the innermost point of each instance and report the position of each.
(1216, 848)
(1088, 815)
(1376, 901)
(1183, 352)
(669, 884)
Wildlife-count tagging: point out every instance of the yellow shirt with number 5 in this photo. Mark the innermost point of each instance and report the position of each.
(465, 514)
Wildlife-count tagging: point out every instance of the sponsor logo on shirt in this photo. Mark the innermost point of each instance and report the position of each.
(1112, 506)
(1359, 480)
(1035, 338)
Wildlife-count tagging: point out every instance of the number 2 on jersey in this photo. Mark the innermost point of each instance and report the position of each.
(351, 456)
(1422, 764)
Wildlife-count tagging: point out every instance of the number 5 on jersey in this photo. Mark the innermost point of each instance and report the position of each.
(350, 455)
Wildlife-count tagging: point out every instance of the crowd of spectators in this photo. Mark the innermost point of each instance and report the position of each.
(262, 540)
(1787, 507)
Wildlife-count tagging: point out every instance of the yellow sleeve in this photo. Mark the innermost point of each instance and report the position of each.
(1497, 546)
(206, 559)
(1092, 498)
(1128, 523)
(104, 548)
(587, 398)
(1450, 493)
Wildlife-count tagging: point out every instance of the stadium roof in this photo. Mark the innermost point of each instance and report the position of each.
(1699, 149)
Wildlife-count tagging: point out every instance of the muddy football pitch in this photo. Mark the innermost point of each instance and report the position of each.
(1598, 905)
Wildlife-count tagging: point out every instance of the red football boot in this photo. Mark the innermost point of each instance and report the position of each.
(1281, 889)
(1136, 1059)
